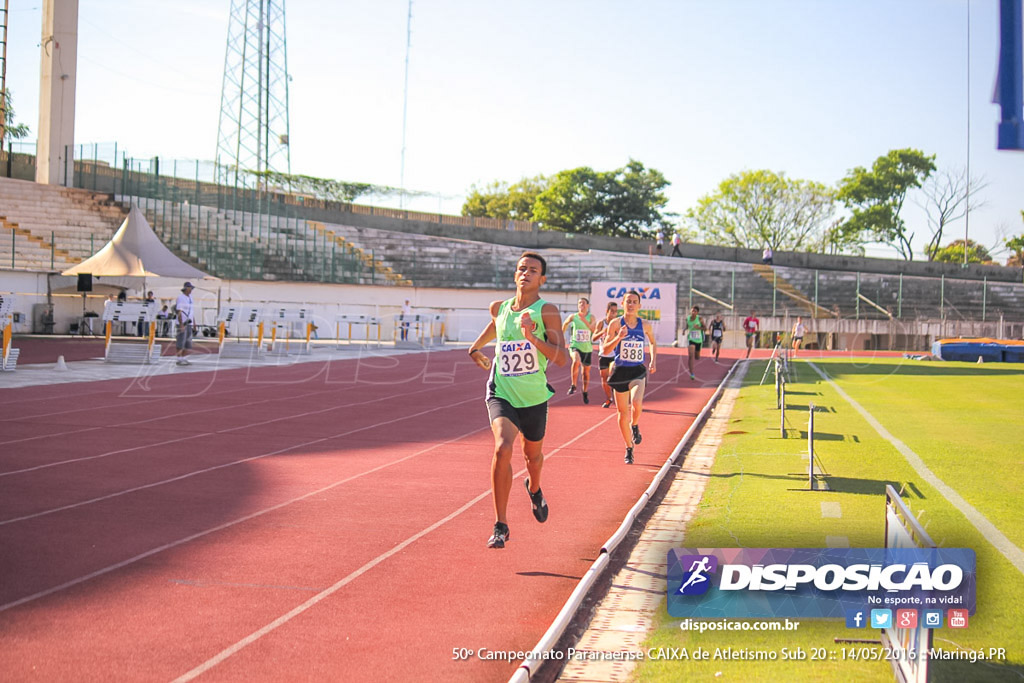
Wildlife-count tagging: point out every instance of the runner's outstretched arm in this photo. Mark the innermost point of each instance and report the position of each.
(488, 335)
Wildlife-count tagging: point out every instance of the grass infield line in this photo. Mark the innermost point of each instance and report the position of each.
(987, 529)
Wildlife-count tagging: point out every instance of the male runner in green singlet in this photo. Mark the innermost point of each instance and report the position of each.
(528, 332)
(580, 327)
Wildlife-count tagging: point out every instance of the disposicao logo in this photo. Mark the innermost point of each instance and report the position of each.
(696, 579)
(817, 582)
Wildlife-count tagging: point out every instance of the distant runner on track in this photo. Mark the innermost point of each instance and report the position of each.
(580, 326)
(528, 331)
(605, 361)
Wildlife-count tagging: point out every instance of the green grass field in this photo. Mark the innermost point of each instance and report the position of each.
(961, 419)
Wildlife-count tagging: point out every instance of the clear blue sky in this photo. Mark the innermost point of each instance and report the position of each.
(499, 91)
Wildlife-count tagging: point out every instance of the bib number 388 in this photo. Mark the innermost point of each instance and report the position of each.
(517, 358)
(631, 350)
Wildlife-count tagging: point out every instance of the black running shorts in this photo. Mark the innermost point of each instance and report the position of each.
(531, 421)
(624, 375)
(604, 361)
(584, 356)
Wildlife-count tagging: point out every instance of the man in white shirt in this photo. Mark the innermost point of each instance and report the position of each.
(406, 317)
(186, 323)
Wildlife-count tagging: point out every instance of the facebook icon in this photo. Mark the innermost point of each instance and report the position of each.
(856, 618)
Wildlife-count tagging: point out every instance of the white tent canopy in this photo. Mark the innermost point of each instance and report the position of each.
(135, 250)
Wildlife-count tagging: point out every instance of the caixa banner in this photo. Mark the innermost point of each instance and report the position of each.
(816, 582)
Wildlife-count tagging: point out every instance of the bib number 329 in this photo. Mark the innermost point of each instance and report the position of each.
(517, 358)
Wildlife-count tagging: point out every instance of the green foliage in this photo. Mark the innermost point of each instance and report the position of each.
(12, 130)
(875, 197)
(755, 208)
(954, 253)
(626, 202)
(1016, 247)
(504, 201)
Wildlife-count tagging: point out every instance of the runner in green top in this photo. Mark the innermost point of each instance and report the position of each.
(528, 335)
(580, 326)
(695, 329)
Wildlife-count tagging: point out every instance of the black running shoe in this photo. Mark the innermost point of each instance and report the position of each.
(572, 390)
(629, 456)
(607, 404)
(540, 506)
(637, 438)
(500, 535)
(586, 399)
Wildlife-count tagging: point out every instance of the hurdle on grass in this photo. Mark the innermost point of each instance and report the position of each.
(782, 411)
(812, 482)
(364, 320)
(238, 315)
(769, 365)
(130, 352)
(902, 530)
(9, 359)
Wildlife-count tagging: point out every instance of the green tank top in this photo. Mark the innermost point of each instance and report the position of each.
(693, 329)
(519, 372)
(579, 333)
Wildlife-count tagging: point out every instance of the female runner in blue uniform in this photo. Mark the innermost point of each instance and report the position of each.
(628, 377)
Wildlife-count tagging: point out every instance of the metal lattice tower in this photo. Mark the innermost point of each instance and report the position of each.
(252, 134)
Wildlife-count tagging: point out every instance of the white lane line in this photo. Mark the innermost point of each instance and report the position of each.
(206, 470)
(219, 527)
(226, 525)
(222, 431)
(285, 618)
(987, 529)
(165, 416)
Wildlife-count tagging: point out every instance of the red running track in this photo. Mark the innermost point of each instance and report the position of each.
(322, 521)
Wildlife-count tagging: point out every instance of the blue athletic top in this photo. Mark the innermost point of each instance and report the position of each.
(630, 350)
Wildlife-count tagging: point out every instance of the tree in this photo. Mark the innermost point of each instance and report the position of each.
(876, 197)
(626, 202)
(1016, 247)
(948, 196)
(954, 253)
(755, 208)
(9, 128)
(500, 200)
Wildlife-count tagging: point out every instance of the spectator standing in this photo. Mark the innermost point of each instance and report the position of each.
(676, 242)
(767, 255)
(660, 242)
(185, 312)
(405, 318)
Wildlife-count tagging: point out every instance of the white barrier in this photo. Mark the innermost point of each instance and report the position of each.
(238, 315)
(9, 358)
(283, 319)
(128, 352)
(419, 330)
(349, 322)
